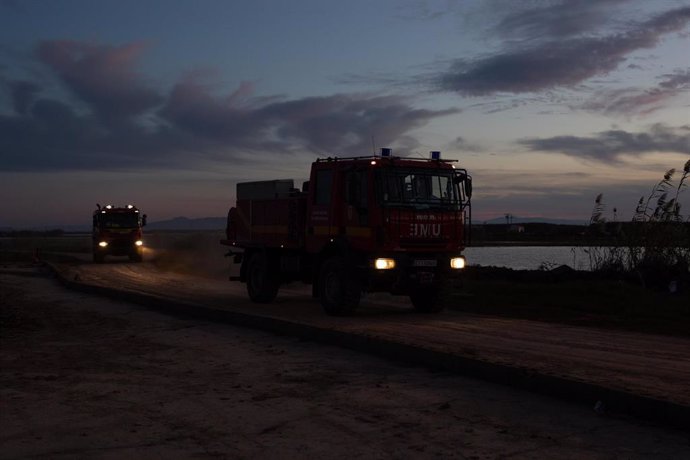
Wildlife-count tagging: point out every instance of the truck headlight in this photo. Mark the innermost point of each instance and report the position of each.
(138, 243)
(457, 262)
(103, 244)
(384, 263)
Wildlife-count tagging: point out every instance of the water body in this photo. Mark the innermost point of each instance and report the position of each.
(528, 257)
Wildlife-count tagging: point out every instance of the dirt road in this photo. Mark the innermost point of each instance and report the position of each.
(87, 377)
(644, 364)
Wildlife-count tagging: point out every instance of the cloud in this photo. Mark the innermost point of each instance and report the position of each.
(637, 101)
(461, 144)
(677, 81)
(22, 93)
(420, 10)
(556, 62)
(556, 19)
(347, 123)
(115, 120)
(336, 124)
(609, 146)
(101, 76)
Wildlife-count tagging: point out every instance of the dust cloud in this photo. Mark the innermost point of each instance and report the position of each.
(196, 253)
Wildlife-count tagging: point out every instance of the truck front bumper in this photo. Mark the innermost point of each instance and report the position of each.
(410, 272)
(118, 247)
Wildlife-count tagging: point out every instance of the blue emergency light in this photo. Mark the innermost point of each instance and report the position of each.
(435, 155)
(386, 152)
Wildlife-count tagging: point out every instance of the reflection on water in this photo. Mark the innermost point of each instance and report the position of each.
(528, 257)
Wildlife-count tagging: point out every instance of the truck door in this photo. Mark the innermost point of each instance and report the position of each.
(356, 211)
(320, 217)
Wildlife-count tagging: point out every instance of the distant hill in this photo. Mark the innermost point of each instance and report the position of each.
(531, 220)
(185, 223)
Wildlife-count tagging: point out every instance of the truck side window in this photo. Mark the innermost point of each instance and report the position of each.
(324, 181)
(408, 190)
(356, 189)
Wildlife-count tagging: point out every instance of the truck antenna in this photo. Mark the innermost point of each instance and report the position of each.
(373, 145)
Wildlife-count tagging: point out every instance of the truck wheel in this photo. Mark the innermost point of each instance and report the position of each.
(98, 258)
(338, 289)
(136, 257)
(427, 300)
(262, 281)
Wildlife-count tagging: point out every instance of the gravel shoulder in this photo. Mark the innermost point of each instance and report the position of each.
(87, 377)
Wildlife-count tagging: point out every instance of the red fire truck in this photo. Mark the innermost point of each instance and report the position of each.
(117, 231)
(364, 224)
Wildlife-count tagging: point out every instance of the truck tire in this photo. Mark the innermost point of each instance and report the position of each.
(262, 280)
(338, 288)
(427, 300)
(98, 258)
(136, 257)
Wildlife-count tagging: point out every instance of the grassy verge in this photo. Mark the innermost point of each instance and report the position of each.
(576, 299)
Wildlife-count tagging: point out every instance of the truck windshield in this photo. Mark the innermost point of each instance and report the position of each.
(418, 188)
(119, 220)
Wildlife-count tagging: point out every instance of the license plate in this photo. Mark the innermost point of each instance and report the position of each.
(425, 277)
(424, 263)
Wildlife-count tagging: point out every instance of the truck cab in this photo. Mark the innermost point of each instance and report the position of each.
(397, 224)
(117, 231)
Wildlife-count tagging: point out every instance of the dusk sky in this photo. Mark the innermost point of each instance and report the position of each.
(168, 104)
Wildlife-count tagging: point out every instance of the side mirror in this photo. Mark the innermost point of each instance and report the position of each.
(143, 220)
(466, 181)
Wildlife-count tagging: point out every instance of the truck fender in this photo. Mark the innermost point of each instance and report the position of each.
(231, 225)
(246, 256)
(337, 247)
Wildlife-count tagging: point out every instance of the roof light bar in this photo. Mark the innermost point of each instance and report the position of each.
(435, 155)
(386, 152)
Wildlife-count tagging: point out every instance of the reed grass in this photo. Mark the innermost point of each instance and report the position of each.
(655, 246)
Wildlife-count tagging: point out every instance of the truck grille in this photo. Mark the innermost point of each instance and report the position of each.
(415, 243)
